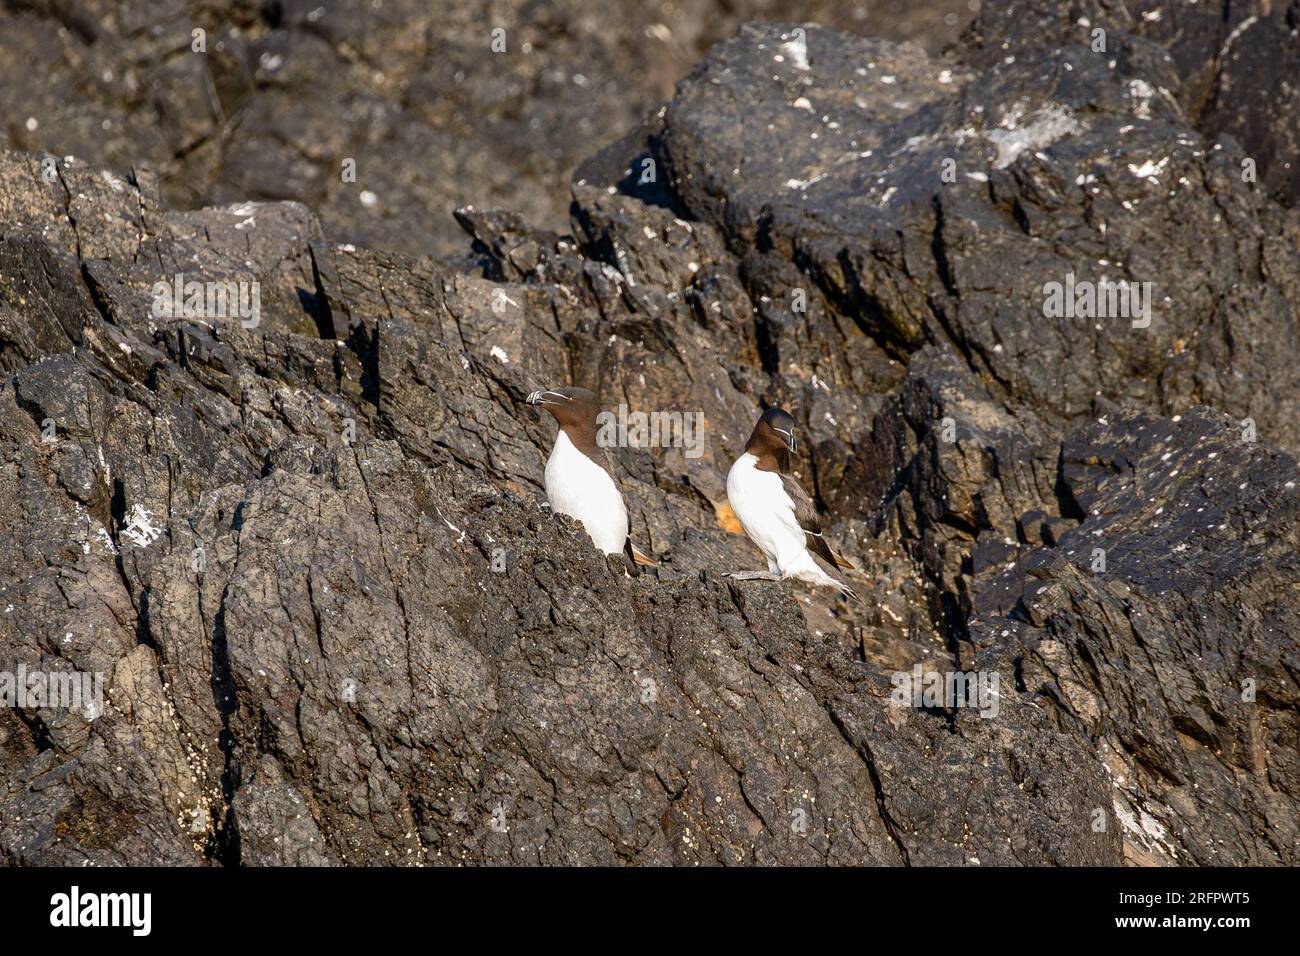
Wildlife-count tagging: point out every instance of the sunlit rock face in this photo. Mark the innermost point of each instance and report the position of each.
(1037, 332)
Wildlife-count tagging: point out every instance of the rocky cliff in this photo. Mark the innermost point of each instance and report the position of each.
(337, 624)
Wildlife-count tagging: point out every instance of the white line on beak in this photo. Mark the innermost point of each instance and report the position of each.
(539, 397)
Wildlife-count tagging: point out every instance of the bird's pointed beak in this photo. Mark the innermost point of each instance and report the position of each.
(544, 396)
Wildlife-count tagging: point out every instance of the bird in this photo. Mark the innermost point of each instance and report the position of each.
(577, 478)
(776, 512)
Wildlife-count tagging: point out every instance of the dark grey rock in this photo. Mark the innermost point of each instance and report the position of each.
(411, 90)
(337, 624)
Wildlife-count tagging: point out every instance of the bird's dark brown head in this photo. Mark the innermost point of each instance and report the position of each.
(574, 408)
(772, 440)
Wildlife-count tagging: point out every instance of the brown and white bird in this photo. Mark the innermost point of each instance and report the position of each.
(776, 512)
(578, 479)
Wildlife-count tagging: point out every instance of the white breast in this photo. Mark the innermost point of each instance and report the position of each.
(578, 487)
(767, 514)
(764, 509)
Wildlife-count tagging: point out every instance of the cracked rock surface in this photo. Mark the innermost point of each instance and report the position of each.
(337, 624)
(412, 91)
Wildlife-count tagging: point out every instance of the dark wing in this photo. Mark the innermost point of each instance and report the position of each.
(805, 512)
(629, 551)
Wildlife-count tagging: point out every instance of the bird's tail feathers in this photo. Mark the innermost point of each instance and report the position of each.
(640, 557)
